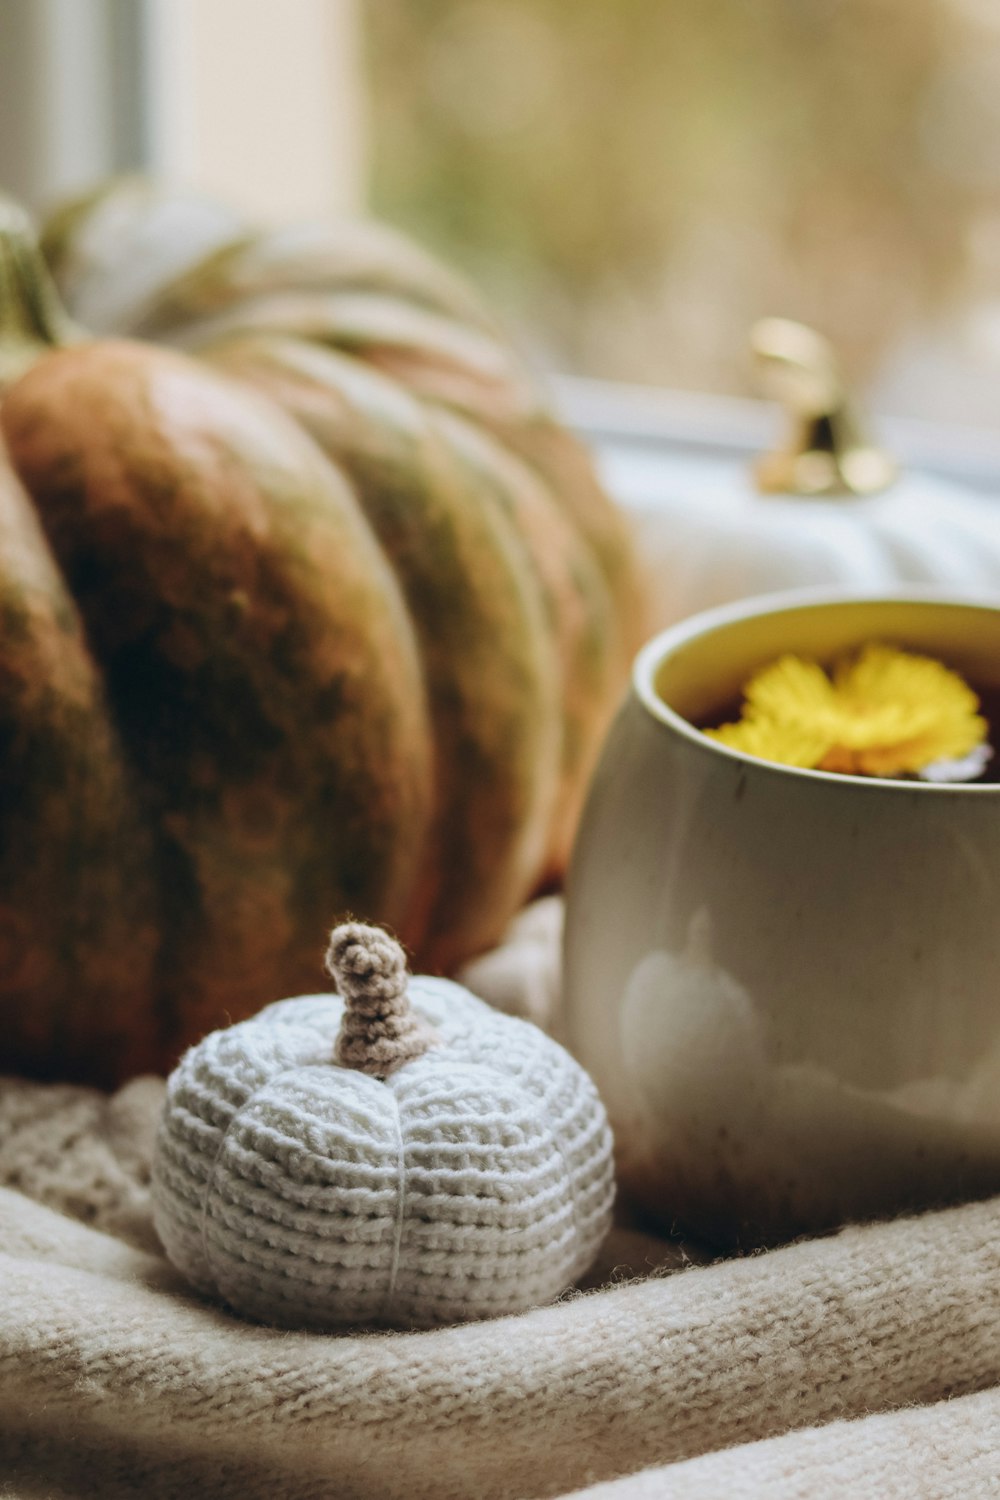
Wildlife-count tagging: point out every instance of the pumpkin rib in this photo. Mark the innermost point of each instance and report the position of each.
(110, 250)
(369, 325)
(580, 611)
(216, 259)
(257, 653)
(461, 560)
(357, 257)
(78, 913)
(565, 466)
(460, 369)
(447, 366)
(425, 356)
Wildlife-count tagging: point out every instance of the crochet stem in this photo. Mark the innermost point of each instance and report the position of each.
(379, 1031)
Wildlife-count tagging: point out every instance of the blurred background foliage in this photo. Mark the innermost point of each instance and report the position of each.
(635, 181)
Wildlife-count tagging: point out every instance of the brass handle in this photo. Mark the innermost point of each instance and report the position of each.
(827, 451)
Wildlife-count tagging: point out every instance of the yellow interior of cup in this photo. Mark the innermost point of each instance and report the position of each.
(704, 663)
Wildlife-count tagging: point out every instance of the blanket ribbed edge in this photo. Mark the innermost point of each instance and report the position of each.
(947, 1451)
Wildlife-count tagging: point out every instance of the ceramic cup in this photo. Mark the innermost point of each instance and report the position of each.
(787, 983)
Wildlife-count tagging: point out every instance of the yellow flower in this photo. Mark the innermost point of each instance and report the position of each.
(883, 712)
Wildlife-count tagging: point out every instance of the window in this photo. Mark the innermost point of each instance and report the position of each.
(637, 182)
(632, 182)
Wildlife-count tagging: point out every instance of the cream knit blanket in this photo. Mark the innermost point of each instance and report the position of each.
(739, 1379)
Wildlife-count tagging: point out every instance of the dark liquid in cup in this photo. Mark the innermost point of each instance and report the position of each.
(989, 706)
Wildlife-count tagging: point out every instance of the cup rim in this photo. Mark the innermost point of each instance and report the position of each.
(656, 650)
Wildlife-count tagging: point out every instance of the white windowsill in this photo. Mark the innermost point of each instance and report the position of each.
(638, 426)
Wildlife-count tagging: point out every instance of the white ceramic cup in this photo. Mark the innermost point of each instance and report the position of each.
(786, 983)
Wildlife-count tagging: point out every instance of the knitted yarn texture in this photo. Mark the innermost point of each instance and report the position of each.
(473, 1178)
(117, 1383)
(379, 1031)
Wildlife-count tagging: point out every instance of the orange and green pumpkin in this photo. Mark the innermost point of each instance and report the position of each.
(318, 611)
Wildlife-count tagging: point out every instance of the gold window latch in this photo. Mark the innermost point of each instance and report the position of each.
(827, 451)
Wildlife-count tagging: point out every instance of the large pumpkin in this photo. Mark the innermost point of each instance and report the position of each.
(330, 618)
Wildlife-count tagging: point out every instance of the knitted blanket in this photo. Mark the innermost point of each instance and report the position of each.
(863, 1364)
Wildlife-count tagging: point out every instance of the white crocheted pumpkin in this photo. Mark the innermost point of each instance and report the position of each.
(825, 509)
(403, 1156)
(711, 538)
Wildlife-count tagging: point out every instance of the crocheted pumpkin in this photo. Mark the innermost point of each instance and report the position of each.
(402, 1155)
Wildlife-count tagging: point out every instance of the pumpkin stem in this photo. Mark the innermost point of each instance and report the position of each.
(379, 1032)
(32, 319)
